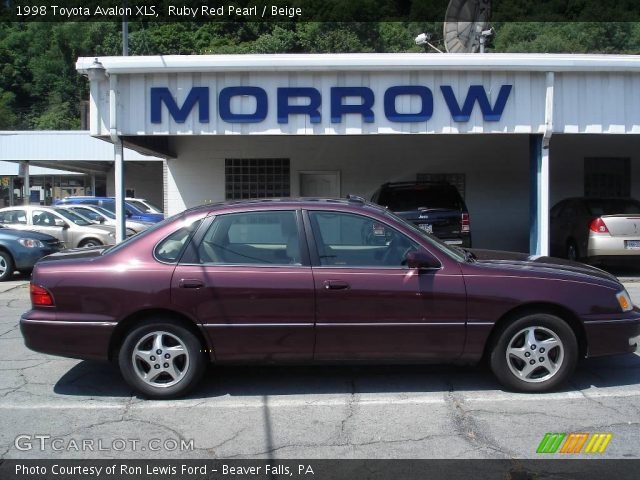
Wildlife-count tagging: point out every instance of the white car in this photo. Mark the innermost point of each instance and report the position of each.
(144, 205)
(67, 226)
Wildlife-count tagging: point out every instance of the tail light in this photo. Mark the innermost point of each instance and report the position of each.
(464, 223)
(597, 225)
(40, 297)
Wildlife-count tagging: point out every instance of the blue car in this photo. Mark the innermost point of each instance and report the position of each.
(132, 212)
(21, 249)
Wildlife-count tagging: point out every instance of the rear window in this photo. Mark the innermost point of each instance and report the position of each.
(613, 206)
(414, 197)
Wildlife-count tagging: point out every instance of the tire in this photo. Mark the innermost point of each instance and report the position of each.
(508, 358)
(90, 242)
(176, 376)
(7, 266)
(572, 251)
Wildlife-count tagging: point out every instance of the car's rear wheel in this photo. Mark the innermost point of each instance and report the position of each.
(161, 358)
(6, 266)
(534, 353)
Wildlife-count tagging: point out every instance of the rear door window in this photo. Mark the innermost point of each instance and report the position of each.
(15, 217)
(252, 238)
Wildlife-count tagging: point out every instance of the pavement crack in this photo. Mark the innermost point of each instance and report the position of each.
(467, 427)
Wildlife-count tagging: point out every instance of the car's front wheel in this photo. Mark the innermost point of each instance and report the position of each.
(6, 266)
(161, 359)
(534, 353)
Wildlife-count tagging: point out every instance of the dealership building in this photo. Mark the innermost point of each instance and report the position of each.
(514, 132)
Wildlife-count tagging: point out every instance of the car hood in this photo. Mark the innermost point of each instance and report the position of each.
(544, 266)
(13, 233)
(76, 253)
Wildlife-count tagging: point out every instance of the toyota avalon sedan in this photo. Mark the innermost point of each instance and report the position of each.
(319, 281)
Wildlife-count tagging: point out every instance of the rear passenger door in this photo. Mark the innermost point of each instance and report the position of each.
(248, 280)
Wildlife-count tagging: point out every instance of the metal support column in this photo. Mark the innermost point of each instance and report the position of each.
(539, 200)
(27, 185)
(118, 149)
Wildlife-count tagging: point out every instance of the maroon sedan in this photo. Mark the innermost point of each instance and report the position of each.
(310, 280)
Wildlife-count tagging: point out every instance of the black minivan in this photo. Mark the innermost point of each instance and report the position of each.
(435, 207)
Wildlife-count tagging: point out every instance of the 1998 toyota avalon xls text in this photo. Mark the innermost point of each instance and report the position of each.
(303, 281)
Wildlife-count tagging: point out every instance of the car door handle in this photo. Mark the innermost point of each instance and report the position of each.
(190, 283)
(335, 285)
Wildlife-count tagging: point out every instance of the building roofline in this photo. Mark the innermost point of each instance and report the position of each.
(543, 62)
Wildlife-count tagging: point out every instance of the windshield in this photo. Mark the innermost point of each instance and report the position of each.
(612, 206)
(73, 216)
(453, 252)
(105, 212)
(415, 196)
(145, 206)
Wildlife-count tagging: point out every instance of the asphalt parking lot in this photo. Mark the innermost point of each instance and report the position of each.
(64, 408)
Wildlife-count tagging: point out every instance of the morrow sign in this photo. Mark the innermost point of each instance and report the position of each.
(341, 103)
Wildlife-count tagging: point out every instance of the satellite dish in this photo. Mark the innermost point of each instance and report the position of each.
(464, 22)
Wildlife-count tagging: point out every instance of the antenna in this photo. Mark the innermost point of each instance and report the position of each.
(466, 25)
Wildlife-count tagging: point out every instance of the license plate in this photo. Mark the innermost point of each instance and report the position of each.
(427, 227)
(632, 244)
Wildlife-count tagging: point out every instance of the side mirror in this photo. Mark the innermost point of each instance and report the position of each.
(422, 260)
(129, 214)
(61, 223)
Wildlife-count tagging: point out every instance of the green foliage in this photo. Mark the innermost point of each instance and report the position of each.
(40, 88)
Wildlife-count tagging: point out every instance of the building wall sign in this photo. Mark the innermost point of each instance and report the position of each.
(345, 100)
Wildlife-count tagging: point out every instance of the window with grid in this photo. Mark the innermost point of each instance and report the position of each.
(456, 179)
(607, 177)
(257, 178)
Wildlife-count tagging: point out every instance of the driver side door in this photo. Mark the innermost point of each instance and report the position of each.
(369, 305)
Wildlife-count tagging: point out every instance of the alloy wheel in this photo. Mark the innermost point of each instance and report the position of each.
(3, 266)
(535, 354)
(160, 359)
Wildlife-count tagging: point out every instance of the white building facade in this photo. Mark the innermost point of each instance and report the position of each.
(514, 132)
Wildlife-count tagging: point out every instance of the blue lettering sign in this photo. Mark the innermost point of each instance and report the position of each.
(364, 109)
(425, 113)
(476, 92)
(199, 95)
(312, 109)
(224, 104)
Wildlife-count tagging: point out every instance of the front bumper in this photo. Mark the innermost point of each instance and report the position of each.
(610, 336)
(43, 333)
(26, 258)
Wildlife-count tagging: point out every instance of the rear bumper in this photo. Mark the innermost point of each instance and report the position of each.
(85, 340)
(610, 336)
(605, 246)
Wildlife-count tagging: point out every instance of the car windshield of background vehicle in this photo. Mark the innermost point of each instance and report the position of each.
(74, 217)
(612, 206)
(428, 196)
(455, 253)
(105, 212)
(140, 206)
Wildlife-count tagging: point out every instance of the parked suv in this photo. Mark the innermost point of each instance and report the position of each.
(132, 212)
(435, 207)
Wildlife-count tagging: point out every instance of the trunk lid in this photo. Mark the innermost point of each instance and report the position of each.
(622, 225)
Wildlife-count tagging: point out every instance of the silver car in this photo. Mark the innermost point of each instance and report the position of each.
(67, 226)
(103, 216)
(597, 230)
